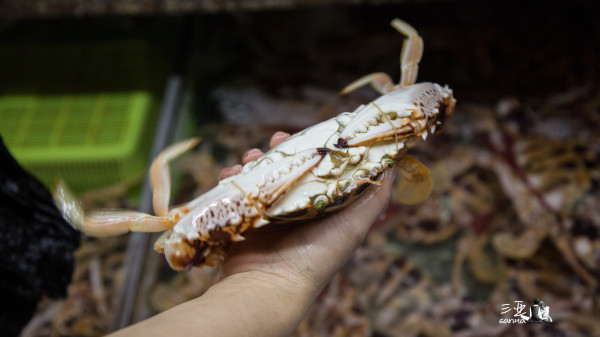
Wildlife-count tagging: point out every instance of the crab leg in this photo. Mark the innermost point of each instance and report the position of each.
(104, 223)
(277, 177)
(416, 183)
(107, 223)
(160, 177)
(114, 222)
(381, 82)
(412, 50)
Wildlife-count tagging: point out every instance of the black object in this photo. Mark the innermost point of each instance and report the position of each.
(36, 245)
(535, 312)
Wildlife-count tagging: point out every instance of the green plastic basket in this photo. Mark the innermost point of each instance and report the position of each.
(90, 140)
(81, 110)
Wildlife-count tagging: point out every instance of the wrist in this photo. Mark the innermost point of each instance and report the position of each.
(283, 287)
(265, 303)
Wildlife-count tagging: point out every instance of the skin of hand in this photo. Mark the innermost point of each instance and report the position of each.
(269, 280)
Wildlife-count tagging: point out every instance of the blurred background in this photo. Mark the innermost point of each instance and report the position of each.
(92, 90)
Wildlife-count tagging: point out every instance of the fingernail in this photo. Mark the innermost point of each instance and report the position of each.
(229, 171)
(251, 155)
(278, 137)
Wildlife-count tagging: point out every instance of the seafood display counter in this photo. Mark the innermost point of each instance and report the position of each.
(513, 215)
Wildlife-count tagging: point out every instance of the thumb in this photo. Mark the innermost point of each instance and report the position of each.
(358, 217)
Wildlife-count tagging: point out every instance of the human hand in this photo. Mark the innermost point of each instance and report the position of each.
(270, 279)
(306, 253)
